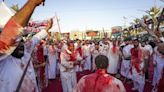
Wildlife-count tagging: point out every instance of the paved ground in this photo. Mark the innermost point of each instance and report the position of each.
(55, 85)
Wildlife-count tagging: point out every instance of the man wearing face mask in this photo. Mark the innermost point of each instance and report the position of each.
(12, 66)
(137, 69)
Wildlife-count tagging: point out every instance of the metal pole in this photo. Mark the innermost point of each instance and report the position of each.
(58, 24)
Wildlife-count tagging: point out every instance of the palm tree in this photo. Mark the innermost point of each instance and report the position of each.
(15, 7)
(153, 13)
(136, 21)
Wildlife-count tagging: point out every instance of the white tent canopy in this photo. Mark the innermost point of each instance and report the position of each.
(5, 14)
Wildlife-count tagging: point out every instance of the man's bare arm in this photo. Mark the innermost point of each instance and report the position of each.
(13, 28)
(22, 17)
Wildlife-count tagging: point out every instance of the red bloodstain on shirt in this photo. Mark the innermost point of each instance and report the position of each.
(99, 82)
(136, 56)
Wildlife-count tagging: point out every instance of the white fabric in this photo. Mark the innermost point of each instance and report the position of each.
(125, 69)
(95, 53)
(149, 48)
(68, 80)
(5, 14)
(158, 69)
(52, 59)
(11, 70)
(64, 47)
(162, 39)
(45, 52)
(87, 53)
(126, 50)
(138, 79)
(113, 61)
(67, 71)
(126, 64)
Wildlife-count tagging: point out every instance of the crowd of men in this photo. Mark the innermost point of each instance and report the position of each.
(29, 65)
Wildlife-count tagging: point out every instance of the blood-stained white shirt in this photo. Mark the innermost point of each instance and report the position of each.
(11, 32)
(11, 68)
(126, 50)
(66, 64)
(99, 82)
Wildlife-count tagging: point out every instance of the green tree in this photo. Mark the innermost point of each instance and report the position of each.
(15, 7)
(154, 13)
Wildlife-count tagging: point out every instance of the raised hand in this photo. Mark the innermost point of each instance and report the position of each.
(37, 2)
(49, 24)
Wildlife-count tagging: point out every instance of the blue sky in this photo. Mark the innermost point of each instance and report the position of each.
(90, 14)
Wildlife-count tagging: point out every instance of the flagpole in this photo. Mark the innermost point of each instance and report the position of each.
(58, 23)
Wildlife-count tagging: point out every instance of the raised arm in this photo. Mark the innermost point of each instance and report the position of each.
(22, 17)
(38, 37)
(14, 27)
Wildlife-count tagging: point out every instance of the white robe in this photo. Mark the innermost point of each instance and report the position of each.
(52, 59)
(87, 54)
(158, 69)
(126, 64)
(113, 61)
(95, 53)
(11, 69)
(138, 80)
(67, 72)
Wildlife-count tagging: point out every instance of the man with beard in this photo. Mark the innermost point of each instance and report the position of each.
(13, 66)
(137, 68)
(100, 81)
(14, 28)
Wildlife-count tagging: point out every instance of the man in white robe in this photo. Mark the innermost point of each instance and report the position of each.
(13, 29)
(159, 64)
(87, 55)
(69, 59)
(95, 52)
(52, 61)
(12, 66)
(126, 63)
(114, 57)
(137, 69)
